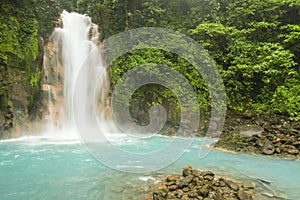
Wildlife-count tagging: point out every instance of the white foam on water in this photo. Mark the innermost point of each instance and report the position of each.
(146, 178)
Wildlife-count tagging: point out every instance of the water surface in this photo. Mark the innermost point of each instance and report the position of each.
(47, 168)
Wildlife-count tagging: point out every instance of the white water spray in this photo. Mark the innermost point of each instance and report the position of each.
(49, 104)
(75, 44)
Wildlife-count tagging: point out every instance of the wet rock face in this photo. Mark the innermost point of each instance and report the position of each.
(6, 122)
(195, 184)
(26, 28)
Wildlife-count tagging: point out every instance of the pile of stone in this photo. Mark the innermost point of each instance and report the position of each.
(280, 144)
(195, 184)
(269, 137)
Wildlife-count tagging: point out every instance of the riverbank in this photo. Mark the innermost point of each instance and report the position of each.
(267, 135)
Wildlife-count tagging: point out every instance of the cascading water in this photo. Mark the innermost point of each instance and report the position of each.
(75, 44)
(49, 103)
(39, 168)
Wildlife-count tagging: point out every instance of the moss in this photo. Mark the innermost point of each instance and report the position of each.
(3, 101)
(231, 142)
(24, 25)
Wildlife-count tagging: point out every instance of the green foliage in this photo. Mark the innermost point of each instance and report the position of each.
(21, 51)
(35, 79)
(146, 96)
(214, 37)
(258, 67)
(286, 99)
(255, 45)
(263, 31)
(291, 39)
(18, 34)
(241, 13)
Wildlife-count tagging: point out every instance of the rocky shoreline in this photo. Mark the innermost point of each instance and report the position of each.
(265, 135)
(196, 184)
(273, 136)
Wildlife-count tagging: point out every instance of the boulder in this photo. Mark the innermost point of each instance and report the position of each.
(292, 150)
(208, 178)
(185, 197)
(170, 183)
(186, 180)
(268, 148)
(186, 171)
(172, 187)
(242, 195)
(179, 193)
(203, 191)
(222, 182)
(193, 194)
(250, 130)
(185, 189)
(248, 186)
(232, 185)
(297, 144)
(160, 194)
(260, 142)
(195, 173)
(205, 173)
(171, 178)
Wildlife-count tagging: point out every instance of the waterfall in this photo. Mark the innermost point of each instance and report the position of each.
(71, 46)
(49, 104)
